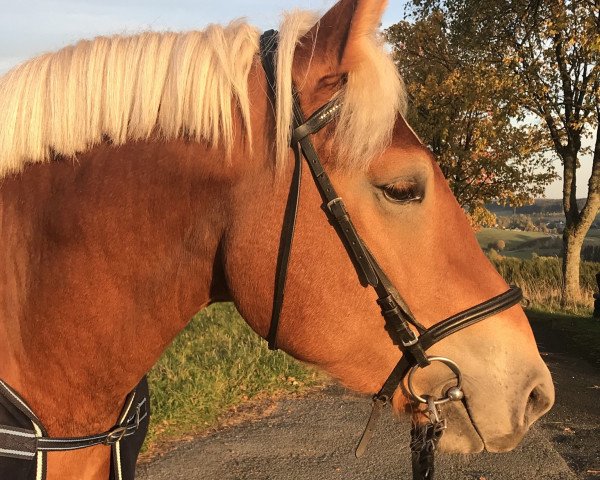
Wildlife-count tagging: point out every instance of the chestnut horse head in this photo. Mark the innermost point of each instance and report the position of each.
(146, 177)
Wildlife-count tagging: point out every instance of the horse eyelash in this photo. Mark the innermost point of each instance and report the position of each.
(402, 193)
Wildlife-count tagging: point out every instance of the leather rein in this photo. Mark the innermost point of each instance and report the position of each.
(395, 311)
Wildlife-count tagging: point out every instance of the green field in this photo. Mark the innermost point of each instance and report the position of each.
(524, 245)
(594, 236)
(513, 238)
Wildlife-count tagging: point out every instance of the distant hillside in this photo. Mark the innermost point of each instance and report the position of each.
(525, 244)
(540, 206)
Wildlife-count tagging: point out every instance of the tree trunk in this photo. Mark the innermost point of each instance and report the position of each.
(577, 223)
(572, 243)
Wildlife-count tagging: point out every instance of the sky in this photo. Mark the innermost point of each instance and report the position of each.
(32, 27)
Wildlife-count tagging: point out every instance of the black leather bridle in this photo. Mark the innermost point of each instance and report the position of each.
(397, 315)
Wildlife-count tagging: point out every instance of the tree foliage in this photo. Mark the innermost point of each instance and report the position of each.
(541, 60)
(461, 107)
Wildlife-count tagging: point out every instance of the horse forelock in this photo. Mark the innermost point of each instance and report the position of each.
(372, 97)
(129, 88)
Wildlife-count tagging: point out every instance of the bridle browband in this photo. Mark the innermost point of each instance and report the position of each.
(396, 313)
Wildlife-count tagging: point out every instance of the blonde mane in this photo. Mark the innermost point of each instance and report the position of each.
(189, 84)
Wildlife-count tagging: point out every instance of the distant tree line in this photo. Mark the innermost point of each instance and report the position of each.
(539, 206)
(523, 222)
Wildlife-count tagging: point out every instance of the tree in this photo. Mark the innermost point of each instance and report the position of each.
(483, 150)
(547, 53)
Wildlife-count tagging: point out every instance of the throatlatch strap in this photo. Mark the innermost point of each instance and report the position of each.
(269, 42)
(285, 249)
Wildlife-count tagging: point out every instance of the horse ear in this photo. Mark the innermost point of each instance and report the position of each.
(339, 42)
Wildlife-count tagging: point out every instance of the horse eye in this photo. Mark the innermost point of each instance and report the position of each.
(402, 193)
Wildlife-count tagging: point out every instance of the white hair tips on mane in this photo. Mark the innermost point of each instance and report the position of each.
(128, 88)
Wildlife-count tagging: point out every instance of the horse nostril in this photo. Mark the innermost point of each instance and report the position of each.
(539, 402)
(534, 395)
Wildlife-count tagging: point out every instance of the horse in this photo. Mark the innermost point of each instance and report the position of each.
(145, 177)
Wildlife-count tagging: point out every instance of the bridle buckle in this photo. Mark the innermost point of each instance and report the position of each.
(137, 415)
(115, 435)
(409, 342)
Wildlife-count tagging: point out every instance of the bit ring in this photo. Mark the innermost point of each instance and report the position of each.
(446, 361)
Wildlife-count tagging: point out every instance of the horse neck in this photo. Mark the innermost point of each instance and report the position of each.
(105, 261)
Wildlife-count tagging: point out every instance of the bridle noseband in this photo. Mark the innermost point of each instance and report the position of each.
(396, 313)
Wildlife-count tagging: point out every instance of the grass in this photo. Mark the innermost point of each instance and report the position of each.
(541, 280)
(216, 363)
